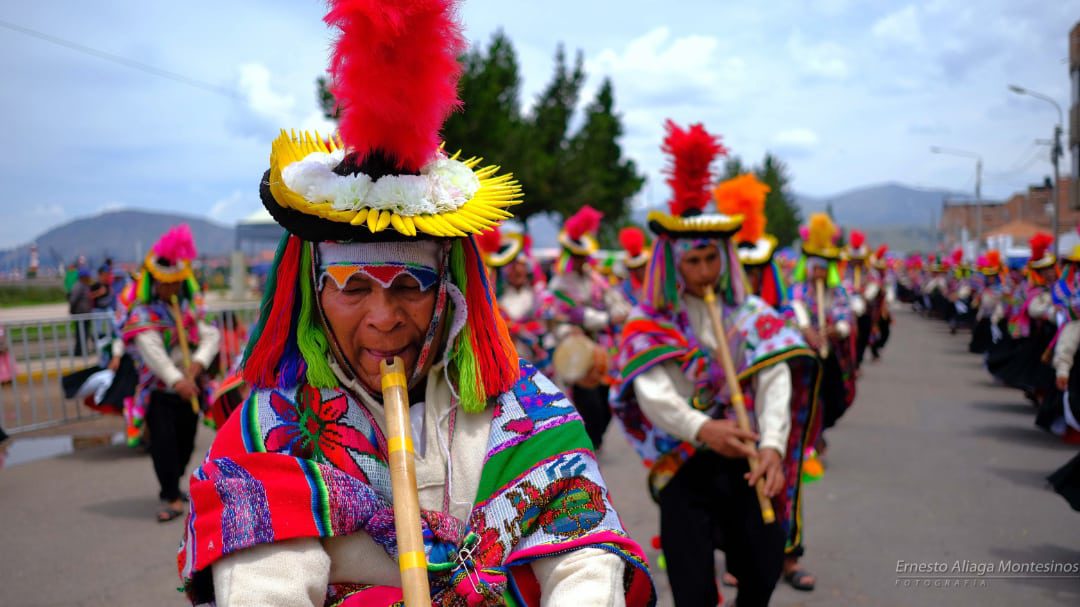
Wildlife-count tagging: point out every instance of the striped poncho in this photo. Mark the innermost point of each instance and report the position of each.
(312, 463)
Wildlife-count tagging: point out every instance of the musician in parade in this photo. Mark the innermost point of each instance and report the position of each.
(823, 315)
(682, 391)
(520, 288)
(164, 332)
(582, 304)
(880, 295)
(327, 486)
(744, 195)
(634, 262)
(856, 258)
(1018, 358)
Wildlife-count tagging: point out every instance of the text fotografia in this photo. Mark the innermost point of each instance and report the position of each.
(1003, 569)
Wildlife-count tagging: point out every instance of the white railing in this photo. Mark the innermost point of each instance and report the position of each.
(36, 354)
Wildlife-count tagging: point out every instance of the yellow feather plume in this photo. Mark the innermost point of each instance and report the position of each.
(821, 232)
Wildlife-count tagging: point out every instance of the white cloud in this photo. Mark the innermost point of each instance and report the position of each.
(796, 138)
(659, 68)
(901, 27)
(821, 60)
(233, 207)
(110, 206)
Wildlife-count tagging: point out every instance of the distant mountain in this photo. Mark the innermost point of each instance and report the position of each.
(123, 235)
(903, 216)
(887, 204)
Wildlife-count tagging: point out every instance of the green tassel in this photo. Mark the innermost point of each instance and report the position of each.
(309, 337)
(834, 275)
(799, 274)
(469, 388)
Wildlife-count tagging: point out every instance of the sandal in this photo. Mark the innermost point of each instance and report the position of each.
(168, 513)
(798, 580)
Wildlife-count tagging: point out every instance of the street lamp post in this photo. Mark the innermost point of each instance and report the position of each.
(978, 188)
(1055, 155)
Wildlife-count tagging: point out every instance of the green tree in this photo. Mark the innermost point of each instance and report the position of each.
(326, 99)
(603, 178)
(544, 172)
(489, 121)
(781, 211)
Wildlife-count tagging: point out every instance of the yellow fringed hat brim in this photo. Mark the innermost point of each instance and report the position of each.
(515, 244)
(486, 209)
(760, 254)
(712, 225)
(586, 247)
(161, 275)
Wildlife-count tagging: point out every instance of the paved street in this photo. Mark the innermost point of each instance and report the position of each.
(933, 464)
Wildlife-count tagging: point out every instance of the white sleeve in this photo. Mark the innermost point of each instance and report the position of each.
(589, 577)
(595, 320)
(290, 573)
(774, 402)
(871, 291)
(843, 328)
(209, 342)
(152, 352)
(1042, 307)
(666, 406)
(802, 315)
(1065, 349)
(117, 347)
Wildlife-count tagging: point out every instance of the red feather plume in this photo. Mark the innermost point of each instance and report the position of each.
(993, 258)
(857, 239)
(881, 251)
(632, 240)
(489, 241)
(692, 152)
(1039, 244)
(395, 72)
(957, 255)
(585, 221)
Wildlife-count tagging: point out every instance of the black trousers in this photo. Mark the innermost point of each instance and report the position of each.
(172, 425)
(884, 328)
(708, 497)
(864, 325)
(592, 405)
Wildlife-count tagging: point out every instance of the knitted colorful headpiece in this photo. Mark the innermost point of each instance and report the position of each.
(632, 239)
(381, 199)
(169, 261)
(499, 249)
(880, 257)
(818, 244)
(578, 234)
(1041, 256)
(687, 226)
(856, 249)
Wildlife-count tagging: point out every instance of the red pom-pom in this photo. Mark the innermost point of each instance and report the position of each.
(993, 258)
(857, 240)
(585, 221)
(395, 72)
(632, 240)
(489, 241)
(655, 542)
(692, 152)
(957, 256)
(1039, 244)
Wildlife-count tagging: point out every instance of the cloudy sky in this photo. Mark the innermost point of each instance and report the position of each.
(847, 92)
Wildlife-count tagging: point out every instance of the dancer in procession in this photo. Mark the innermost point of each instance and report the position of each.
(296, 501)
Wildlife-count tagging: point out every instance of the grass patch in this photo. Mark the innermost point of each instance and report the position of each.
(28, 295)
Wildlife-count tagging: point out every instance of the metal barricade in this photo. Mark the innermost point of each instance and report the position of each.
(36, 354)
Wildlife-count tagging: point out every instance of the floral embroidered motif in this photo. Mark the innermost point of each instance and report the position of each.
(767, 326)
(315, 429)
